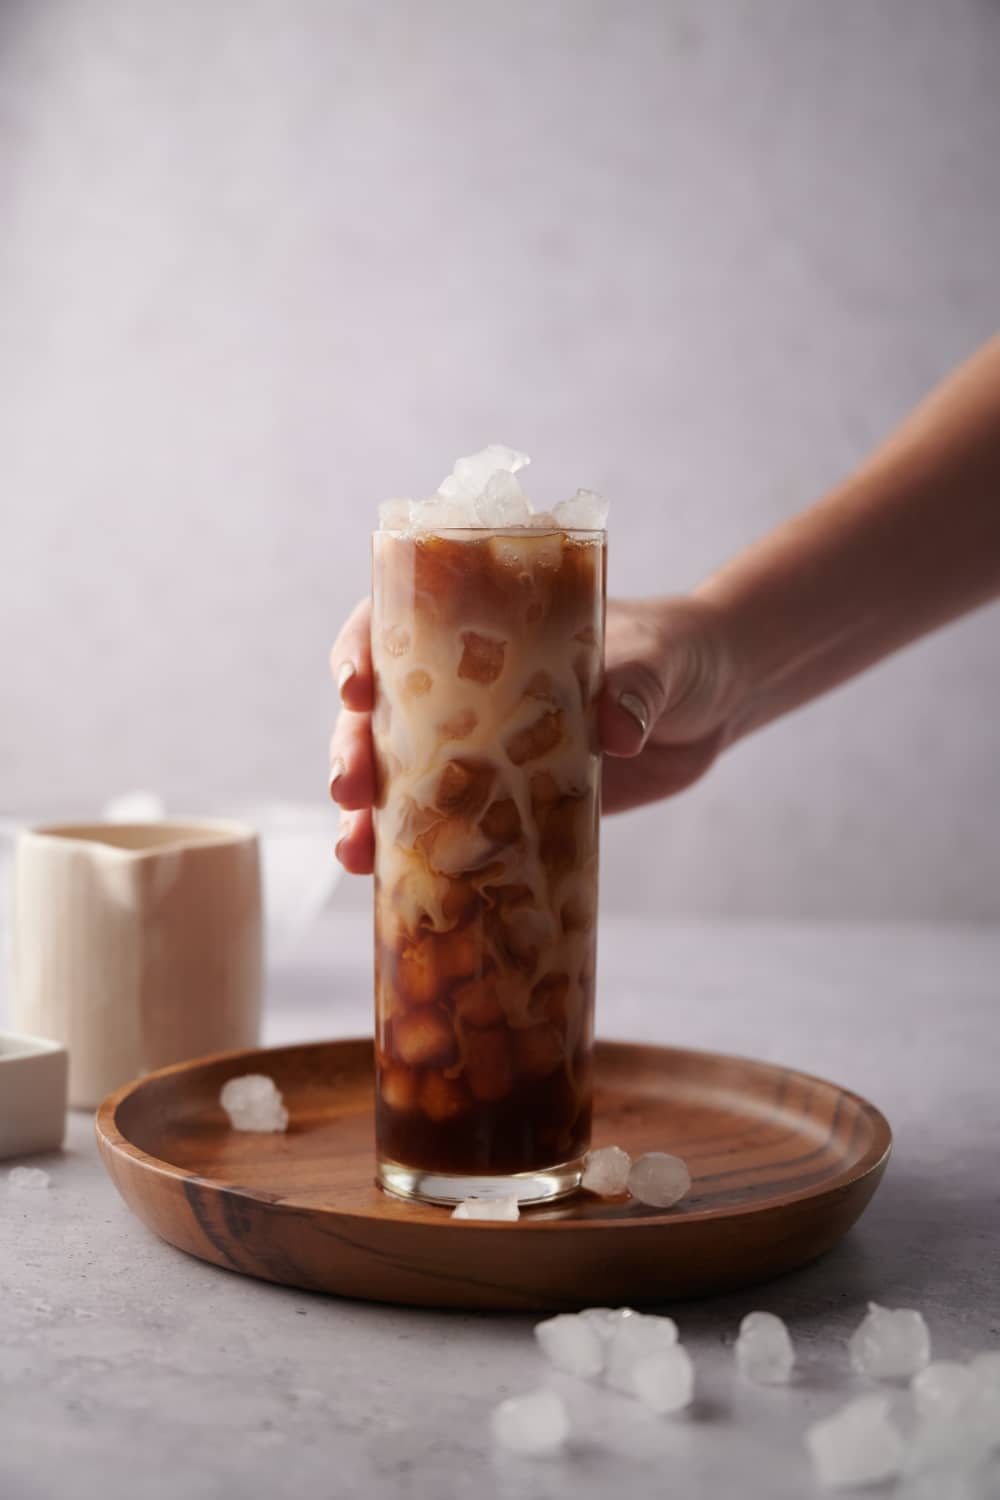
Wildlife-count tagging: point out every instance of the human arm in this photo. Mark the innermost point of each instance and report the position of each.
(909, 542)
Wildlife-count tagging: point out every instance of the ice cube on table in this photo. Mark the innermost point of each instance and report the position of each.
(890, 1343)
(27, 1179)
(253, 1102)
(939, 1484)
(934, 1447)
(942, 1388)
(980, 1418)
(659, 1179)
(572, 1344)
(764, 1351)
(605, 1320)
(605, 1171)
(959, 1438)
(531, 1424)
(632, 1339)
(664, 1380)
(587, 511)
(497, 1206)
(986, 1367)
(858, 1445)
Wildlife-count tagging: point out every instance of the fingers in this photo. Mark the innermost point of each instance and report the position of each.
(352, 763)
(352, 767)
(662, 771)
(356, 846)
(352, 787)
(351, 660)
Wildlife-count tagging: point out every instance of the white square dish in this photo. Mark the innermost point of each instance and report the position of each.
(33, 1074)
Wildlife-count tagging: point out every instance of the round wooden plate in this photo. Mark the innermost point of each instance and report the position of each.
(782, 1164)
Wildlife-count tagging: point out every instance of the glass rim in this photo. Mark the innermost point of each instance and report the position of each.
(415, 535)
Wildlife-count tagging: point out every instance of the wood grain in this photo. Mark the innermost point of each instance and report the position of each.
(782, 1165)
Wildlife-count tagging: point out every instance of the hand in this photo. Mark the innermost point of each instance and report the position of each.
(670, 696)
(352, 761)
(671, 693)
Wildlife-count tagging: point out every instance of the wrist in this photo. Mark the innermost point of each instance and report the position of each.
(746, 646)
(707, 684)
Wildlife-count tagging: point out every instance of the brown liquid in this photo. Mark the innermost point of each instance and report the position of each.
(487, 650)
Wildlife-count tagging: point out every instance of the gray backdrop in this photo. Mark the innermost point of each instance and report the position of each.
(262, 264)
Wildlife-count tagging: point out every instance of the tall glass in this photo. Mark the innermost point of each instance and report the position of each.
(488, 650)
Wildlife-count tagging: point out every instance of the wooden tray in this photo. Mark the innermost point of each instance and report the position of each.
(782, 1165)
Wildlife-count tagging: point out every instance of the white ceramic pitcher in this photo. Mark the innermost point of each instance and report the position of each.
(138, 945)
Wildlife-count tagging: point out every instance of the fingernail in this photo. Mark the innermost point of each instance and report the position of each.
(636, 709)
(336, 771)
(344, 676)
(345, 828)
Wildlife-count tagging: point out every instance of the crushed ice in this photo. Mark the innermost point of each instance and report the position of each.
(27, 1179)
(890, 1343)
(488, 1206)
(858, 1445)
(606, 1171)
(531, 1424)
(664, 1380)
(587, 509)
(764, 1350)
(942, 1388)
(606, 1319)
(954, 1409)
(483, 493)
(633, 1339)
(954, 1421)
(572, 1344)
(958, 1411)
(254, 1102)
(659, 1179)
(986, 1367)
(636, 1353)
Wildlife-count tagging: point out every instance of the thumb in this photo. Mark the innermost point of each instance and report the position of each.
(669, 663)
(635, 695)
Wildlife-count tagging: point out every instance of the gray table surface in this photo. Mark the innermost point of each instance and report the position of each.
(128, 1369)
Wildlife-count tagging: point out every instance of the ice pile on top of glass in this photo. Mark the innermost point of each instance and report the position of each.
(483, 492)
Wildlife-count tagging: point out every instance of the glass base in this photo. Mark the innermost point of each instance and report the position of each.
(544, 1185)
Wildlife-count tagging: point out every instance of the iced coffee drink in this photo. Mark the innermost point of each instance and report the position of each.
(487, 639)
